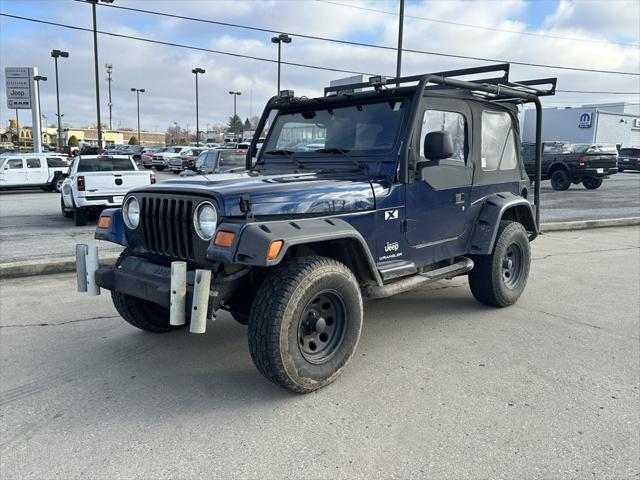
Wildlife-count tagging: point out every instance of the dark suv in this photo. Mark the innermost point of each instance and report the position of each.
(410, 180)
(629, 159)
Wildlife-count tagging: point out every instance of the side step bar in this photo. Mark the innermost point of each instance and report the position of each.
(461, 266)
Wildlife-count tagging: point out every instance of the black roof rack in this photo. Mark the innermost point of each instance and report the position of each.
(504, 88)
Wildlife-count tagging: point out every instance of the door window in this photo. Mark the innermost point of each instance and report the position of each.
(443, 121)
(230, 160)
(15, 164)
(33, 163)
(498, 142)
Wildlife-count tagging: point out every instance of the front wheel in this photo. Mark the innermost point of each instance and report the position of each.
(140, 313)
(499, 279)
(57, 184)
(560, 180)
(592, 183)
(305, 323)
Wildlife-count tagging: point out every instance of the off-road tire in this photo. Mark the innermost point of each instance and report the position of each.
(487, 279)
(276, 316)
(81, 216)
(592, 183)
(140, 313)
(560, 180)
(65, 213)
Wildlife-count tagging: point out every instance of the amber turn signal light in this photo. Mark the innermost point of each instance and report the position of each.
(224, 239)
(274, 249)
(104, 222)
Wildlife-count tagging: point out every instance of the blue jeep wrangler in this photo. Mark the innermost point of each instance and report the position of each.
(370, 190)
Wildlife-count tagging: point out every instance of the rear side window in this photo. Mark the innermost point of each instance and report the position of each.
(498, 142)
(33, 163)
(105, 165)
(442, 121)
(15, 163)
(56, 162)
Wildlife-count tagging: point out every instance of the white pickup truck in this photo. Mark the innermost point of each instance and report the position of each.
(27, 170)
(97, 182)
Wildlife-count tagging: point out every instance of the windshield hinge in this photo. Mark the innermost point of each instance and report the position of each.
(245, 205)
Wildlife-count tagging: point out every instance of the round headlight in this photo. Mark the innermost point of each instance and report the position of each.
(131, 213)
(205, 220)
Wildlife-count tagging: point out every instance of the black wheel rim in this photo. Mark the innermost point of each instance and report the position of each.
(321, 327)
(557, 180)
(512, 266)
(59, 185)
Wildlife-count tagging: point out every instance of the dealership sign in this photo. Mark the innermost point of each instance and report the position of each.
(19, 87)
(584, 120)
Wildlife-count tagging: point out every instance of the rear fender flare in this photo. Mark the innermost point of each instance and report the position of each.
(495, 208)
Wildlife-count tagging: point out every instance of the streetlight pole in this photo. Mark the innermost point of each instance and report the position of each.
(138, 92)
(55, 54)
(95, 58)
(280, 39)
(109, 68)
(197, 71)
(235, 94)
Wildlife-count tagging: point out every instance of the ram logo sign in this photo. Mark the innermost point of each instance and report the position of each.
(585, 120)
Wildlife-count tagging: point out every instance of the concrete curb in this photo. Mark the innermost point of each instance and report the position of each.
(46, 266)
(585, 224)
(68, 264)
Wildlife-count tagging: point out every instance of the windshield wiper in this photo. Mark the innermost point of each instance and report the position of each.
(345, 152)
(287, 153)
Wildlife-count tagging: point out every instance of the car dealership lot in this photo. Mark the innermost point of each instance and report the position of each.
(441, 386)
(31, 226)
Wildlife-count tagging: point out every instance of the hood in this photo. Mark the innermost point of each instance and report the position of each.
(287, 194)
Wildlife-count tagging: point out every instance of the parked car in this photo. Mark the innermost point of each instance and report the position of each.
(217, 162)
(7, 146)
(185, 160)
(629, 159)
(403, 194)
(70, 151)
(161, 159)
(96, 182)
(90, 150)
(27, 170)
(134, 151)
(146, 159)
(564, 163)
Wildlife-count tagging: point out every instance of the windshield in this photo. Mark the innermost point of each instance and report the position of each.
(371, 127)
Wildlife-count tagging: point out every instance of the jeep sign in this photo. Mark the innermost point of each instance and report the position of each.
(584, 120)
(19, 82)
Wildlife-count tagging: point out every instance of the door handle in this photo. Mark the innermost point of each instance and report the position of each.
(459, 198)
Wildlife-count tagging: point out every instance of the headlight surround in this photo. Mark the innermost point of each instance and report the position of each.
(131, 212)
(205, 220)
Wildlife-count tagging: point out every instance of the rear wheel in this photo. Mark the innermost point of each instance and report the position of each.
(65, 213)
(140, 313)
(305, 323)
(592, 183)
(499, 279)
(560, 180)
(57, 184)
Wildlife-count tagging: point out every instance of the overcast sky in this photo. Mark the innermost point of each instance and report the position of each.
(595, 34)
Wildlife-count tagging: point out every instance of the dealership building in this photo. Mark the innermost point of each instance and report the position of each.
(606, 123)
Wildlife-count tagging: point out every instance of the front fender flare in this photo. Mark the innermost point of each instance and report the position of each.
(253, 239)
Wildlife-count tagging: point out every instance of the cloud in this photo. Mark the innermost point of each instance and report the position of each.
(165, 72)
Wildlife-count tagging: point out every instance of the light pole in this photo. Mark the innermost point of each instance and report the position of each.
(235, 95)
(56, 54)
(197, 71)
(109, 68)
(280, 39)
(38, 79)
(95, 58)
(138, 92)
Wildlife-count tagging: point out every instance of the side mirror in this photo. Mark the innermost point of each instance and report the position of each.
(438, 145)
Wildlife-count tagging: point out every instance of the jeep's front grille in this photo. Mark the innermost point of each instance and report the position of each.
(166, 223)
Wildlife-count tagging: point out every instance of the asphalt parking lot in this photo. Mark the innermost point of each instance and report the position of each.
(31, 226)
(440, 387)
